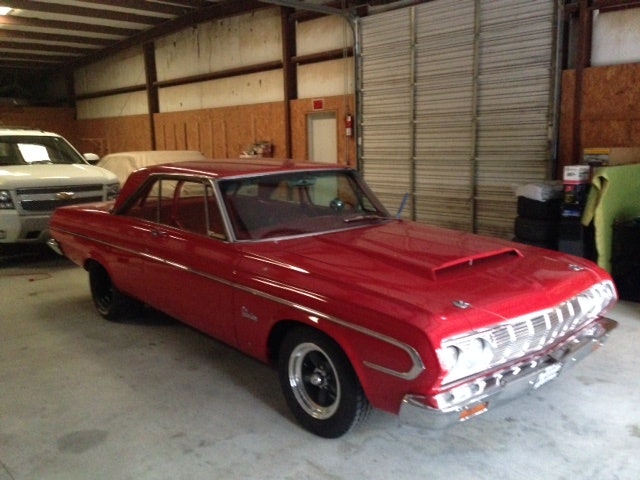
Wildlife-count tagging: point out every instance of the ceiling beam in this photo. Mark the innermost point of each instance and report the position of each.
(28, 22)
(34, 6)
(173, 8)
(44, 47)
(53, 37)
(35, 57)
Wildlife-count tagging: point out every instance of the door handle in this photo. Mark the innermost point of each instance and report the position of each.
(158, 233)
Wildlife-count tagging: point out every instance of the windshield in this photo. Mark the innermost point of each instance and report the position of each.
(299, 203)
(36, 149)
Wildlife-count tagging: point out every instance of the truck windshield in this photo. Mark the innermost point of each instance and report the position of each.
(30, 150)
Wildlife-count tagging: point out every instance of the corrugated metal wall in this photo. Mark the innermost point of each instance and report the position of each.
(457, 106)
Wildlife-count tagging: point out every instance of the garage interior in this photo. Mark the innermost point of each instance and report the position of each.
(453, 102)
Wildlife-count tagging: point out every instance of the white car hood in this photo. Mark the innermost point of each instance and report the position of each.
(23, 176)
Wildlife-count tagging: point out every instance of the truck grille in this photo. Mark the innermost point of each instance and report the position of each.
(47, 199)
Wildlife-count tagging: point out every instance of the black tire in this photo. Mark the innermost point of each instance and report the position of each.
(319, 384)
(108, 300)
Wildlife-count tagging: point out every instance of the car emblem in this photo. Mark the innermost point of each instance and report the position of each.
(461, 304)
(65, 195)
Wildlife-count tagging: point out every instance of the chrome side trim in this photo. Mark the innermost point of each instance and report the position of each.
(417, 364)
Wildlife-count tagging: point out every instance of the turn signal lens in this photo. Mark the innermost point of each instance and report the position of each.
(468, 413)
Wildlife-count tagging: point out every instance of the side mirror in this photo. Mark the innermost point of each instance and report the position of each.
(92, 158)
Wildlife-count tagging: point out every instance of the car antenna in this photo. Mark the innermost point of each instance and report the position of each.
(402, 205)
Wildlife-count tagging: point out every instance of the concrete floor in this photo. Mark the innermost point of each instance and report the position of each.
(82, 398)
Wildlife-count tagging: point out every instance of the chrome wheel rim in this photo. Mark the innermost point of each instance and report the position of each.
(314, 381)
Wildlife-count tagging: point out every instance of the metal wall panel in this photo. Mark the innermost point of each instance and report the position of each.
(456, 103)
(515, 52)
(444, 106)
(386, 96)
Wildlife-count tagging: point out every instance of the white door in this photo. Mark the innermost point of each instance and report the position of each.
(322, 135)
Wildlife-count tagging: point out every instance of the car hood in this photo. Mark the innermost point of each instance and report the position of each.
(53, 175)
(427, 274)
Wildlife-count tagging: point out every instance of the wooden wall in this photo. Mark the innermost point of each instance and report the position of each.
(108, 135)
(610, 114)
(58, 120)
(216, 132)
(222, 132)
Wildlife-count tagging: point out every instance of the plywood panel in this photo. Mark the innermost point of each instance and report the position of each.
(605, 132)
(109, 135)
(54, 119)
(612, 92)
(222, 132)
(610, 114)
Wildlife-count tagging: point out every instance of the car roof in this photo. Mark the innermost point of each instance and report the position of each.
(227, 168)
(220, 169)
(8, 130)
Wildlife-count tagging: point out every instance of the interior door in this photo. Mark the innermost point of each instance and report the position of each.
(322, 135)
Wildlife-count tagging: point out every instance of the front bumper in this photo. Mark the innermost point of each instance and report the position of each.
(15, 228)
(504, 385)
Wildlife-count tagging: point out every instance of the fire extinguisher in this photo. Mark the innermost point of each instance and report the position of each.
(348, 123)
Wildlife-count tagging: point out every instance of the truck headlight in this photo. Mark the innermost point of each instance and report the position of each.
(113, 189)
(6, 203)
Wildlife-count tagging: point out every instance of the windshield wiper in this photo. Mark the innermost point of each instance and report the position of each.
(364, 217)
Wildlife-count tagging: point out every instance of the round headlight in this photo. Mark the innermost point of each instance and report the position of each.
(476, 348)
(476, 354)
(450, 357)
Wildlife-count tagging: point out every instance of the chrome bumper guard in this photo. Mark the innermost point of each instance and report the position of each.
(514, 381)
(55, 246)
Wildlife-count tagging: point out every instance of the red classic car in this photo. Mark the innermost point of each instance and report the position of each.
(300, 266)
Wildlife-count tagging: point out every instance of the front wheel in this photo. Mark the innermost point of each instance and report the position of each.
(319, 384)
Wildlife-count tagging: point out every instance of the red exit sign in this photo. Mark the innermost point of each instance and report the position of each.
(318, 103)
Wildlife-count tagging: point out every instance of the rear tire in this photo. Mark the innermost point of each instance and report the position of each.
(319, 384)
(108, 300)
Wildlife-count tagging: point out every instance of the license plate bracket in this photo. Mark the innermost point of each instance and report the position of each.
(547, 374)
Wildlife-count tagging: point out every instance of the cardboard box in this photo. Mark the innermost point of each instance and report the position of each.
(576, 182)
(576, 174)
(611, 156)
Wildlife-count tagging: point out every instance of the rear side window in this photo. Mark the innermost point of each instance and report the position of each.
(186, 204)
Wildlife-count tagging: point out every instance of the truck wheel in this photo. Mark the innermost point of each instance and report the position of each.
(319, 384)
(108, 300)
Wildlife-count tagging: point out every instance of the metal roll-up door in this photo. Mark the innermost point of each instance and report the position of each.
(456, 108)
(516, 54)
(386, 97)
(444, 112)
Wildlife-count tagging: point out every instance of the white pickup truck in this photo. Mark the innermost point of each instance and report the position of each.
(40, 171)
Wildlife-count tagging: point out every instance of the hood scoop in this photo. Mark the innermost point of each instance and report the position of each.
(463, 263)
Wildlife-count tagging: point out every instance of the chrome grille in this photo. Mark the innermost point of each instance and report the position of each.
(526, 335)
(47, 199)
